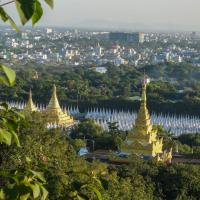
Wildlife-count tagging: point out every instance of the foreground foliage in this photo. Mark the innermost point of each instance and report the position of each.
(68, 176)
(27, 10)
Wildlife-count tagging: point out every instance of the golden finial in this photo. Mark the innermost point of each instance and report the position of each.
(144, 90)
(146, 80)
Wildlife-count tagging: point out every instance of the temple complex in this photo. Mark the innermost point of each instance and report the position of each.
(143, 139)
(53, 114)
(30, 106)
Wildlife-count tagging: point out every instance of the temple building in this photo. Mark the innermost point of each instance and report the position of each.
(30, 106)
(143, 139)
(53, 114)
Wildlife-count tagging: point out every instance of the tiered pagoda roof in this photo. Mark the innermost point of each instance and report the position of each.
(143, 138)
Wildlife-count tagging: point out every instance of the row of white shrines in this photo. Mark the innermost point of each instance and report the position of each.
(174, 124)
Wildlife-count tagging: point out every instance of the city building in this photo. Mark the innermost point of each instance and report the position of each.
(127, 37)
(49, 30)
(98, 50)
(67, 47)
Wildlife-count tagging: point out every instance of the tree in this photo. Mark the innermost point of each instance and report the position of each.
(87, 129)
(51, 152)
(17, 184)
(117, 135)
(26, 183)
(127, 90)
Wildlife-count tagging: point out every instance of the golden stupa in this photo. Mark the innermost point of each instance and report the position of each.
(54, 114)
(143, 139)
(30, 106)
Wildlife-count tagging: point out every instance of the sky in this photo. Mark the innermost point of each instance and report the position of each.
(123, 14)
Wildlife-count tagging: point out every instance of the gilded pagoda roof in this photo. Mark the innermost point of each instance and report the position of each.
(54, 113)
(143, 139)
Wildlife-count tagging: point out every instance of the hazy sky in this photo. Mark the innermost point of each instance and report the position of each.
(125, 14)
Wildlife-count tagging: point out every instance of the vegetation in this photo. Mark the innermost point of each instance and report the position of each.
(67, 176)
(118, 88)
(96, 137)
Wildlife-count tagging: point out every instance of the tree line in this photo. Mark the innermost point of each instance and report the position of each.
(173, 88)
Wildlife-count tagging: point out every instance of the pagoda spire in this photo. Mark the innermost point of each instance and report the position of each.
(54, 104)
(143, 122)
(30, 106)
